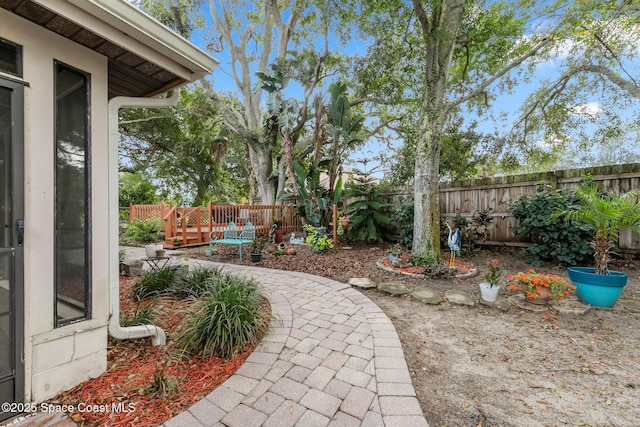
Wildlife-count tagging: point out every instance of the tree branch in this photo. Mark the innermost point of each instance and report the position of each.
(488, 82)
(423, 19)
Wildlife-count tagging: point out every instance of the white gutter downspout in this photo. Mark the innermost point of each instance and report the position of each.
(158, 336)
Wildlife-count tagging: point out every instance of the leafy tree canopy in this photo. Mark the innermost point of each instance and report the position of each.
(185, 151)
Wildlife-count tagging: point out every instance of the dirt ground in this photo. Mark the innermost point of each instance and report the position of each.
(485, 367)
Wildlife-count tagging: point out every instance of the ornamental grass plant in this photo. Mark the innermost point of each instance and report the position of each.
(224, 321)
(531, 284)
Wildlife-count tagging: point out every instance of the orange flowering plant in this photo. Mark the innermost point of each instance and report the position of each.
(531, 284)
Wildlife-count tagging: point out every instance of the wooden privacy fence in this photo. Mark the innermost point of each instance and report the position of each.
(193, 225)
(469, 197)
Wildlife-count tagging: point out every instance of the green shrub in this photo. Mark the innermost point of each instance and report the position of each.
(552, 237)
(144, 232)
(154, 282)
(224, 321)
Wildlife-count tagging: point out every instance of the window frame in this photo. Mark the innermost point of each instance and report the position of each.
(18, 58)
(87, 309)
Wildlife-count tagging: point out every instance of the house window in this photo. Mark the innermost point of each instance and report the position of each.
(10, 58)
(72, 196)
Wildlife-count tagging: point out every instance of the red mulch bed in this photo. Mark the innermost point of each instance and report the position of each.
(461, 267)
(131, 365)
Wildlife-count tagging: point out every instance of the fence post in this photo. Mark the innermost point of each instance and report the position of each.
(334, 220)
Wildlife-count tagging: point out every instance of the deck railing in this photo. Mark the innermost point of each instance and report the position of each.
(192, 225)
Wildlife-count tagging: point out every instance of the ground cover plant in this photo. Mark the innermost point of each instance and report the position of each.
(157, 383)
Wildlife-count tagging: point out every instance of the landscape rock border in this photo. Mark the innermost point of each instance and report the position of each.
(471, 273)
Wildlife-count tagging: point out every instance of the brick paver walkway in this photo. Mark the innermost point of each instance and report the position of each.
(331, 357)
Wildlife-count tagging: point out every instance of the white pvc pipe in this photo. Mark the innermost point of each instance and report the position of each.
(158, 336)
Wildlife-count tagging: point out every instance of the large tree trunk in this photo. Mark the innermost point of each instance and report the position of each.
(262, 165)
(439, 28)
(426, 221)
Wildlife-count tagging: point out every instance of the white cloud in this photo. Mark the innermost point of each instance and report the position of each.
(591, 110)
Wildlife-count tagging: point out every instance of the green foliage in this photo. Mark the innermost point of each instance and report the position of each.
(422, 260)
(481, 224)
(258, 245)
(460, 158)
(319, 242)
(133, 189)
(225, 321)
(143, 232)
(196, 282)
(403, 217)
(185, 150)
(370, 216)
(552, 237)
(314, 199)
(142, 316)
(154, 282)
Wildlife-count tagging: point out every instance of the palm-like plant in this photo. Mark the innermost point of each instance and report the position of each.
(607, 214)
(370, 216)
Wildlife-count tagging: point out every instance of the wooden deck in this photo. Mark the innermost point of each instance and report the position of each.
(194, 224)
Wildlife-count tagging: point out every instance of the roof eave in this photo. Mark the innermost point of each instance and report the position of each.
(136, 24)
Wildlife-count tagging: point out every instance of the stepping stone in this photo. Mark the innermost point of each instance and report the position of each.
(394, 288)
(427, 296)
(460, 298)
(572, 306)
(361, 282)
(501, 303)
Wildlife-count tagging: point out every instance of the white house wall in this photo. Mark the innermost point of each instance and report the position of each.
(57, 359)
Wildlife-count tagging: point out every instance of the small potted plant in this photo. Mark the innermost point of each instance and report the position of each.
(344, 221)
(257, 247)
(176, 241)
(606, 214)
(539, 288)
(394, 253)
(489, 288)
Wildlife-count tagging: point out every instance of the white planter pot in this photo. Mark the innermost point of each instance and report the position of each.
(489, 293)
(150, 250)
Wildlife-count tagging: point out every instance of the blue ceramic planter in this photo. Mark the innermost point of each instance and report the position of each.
(599, 290)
